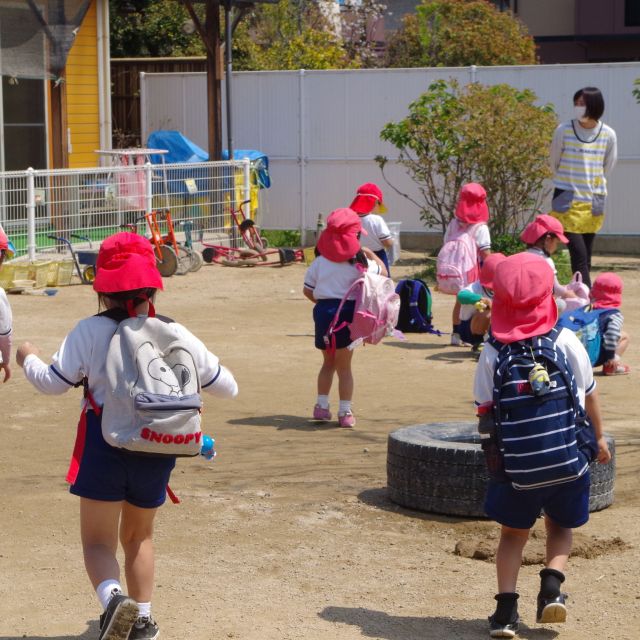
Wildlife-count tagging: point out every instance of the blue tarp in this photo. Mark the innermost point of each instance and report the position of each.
(183, 150)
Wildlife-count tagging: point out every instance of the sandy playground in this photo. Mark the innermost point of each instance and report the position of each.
(290, 535)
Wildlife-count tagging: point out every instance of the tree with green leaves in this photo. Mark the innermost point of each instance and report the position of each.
(494, 135)
(455, 33)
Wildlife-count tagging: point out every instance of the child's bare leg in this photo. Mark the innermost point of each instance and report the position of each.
(455, 314)
(345, 377)
(480, 322)
(623, 344)
(509, 557)
(99, 533)
(325, 375)
(136, 537)
(559, 541)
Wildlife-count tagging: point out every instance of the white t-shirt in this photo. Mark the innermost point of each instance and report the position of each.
(6, 323)
(467, 310)
(567, 342)
(479, 232)
(83, 353)
(330, 280)
(377, 230)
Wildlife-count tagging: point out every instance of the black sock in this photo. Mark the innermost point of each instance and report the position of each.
(507, 608)
(550, 581)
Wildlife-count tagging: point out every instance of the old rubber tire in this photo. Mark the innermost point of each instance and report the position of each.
(439, 467)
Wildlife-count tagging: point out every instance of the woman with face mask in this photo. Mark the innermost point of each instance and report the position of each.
(583, 152)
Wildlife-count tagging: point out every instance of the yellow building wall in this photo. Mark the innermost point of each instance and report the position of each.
(83, 108)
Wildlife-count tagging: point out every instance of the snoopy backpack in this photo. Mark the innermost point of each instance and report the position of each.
(153, 402)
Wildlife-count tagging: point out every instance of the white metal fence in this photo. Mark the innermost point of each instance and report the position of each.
(86, 205)
(321, 129)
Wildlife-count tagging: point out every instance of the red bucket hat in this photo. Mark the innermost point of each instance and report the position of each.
(523, 304)
(606, 291)
(542, 225)
(339, 241)
(368, 195)
(126, 261)
(5, 244)
(472, 204)
(489, 268)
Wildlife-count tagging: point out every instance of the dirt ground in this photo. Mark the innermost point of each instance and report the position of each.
(289, 534)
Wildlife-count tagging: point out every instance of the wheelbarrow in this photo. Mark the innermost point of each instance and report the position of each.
(83, 260)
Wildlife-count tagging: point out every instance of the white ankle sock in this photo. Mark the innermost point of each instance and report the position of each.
(323, 401)
(144, 609)
(345, 407)
(106, 590)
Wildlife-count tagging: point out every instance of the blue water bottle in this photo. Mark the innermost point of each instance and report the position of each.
(208, 451)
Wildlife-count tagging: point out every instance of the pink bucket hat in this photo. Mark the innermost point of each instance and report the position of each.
(606, 291)
(523, 304)
(5, 244)
(339, 241)
(368, 195)
(126, 261)
(488, 269)
(542, 225)
(472, 204)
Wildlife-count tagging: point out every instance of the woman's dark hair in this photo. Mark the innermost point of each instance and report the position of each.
(593, 100)
(122, 297)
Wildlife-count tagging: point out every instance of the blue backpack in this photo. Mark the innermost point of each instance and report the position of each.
(415, 307)
(586, 323)
(542, 431)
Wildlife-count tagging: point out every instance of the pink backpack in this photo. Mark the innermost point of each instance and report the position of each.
(581, 290)
(457, 264)
(375, 315)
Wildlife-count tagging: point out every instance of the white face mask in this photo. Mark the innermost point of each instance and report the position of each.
(579, 112)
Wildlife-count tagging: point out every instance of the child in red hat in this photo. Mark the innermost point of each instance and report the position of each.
(540, 462)
(6, 318)
(339, 263)
(542, 237)
(470, 218)
(368, 204)
(606, 293)
(120, 491)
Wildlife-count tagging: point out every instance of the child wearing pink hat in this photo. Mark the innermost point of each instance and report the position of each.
(368, 204)
(6, 318)
(120, 491)
(339, 263)
(475, 304)
(606, 293)
(523, 317)
(470, 217)
(542, 237)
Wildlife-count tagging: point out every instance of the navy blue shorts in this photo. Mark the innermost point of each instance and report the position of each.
(566, 504)
(111, 474)
(323, 313)
(382, 254)
(464, 331)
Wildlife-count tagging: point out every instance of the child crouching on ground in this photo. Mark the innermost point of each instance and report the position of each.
(339, 264)
(475, 304)
(532, 385)
(120, 491)
(541, 237)
(6, 319)
(606, 293)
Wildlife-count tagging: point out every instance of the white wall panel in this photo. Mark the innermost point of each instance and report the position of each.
(321, 129)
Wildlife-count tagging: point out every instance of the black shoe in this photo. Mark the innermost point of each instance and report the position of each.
(499, 630)
(145, 629)
(551, 610)
(118, 618)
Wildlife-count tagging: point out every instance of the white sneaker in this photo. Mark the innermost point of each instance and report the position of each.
(457, 341)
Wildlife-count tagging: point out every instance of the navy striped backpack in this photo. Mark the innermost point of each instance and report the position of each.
(542, 431)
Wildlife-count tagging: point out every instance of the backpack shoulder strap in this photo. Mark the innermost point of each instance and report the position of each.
(329, 337)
